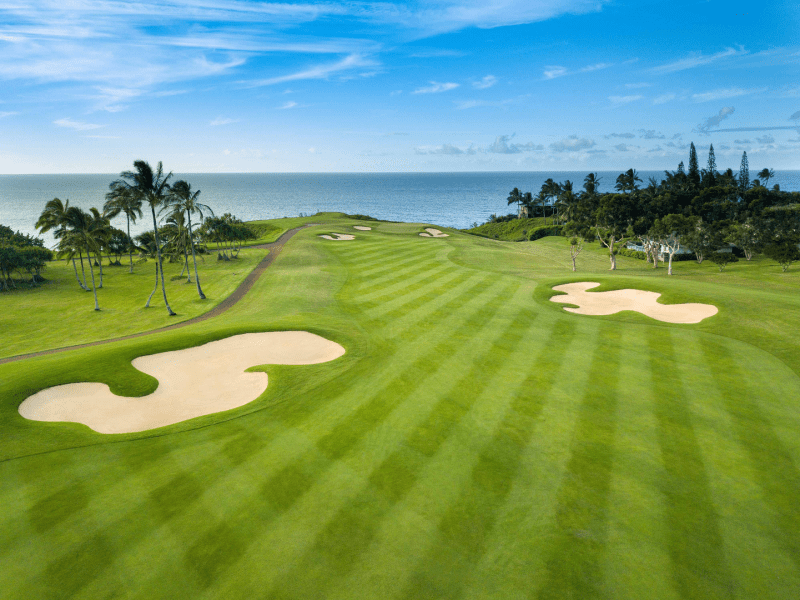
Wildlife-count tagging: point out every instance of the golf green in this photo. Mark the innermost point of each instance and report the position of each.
(475, 441)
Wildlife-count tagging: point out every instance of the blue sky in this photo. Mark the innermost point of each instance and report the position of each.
(433, 85)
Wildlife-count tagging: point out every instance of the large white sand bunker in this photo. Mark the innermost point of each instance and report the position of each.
(362, 227)
(431, 232)
(339, 237)
(608, 303)
(191, 383)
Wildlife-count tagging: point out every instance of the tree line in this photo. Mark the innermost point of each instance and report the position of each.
(180, 223)
(702, 210)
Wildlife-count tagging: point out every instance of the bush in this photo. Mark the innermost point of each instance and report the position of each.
(722, 259)
(540, 232)
(632, 253)
(784, 253)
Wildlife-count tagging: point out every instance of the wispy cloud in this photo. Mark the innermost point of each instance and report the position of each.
(723, 94)
(76, 125)
(664, 98)
(287, 105)
(222, 121)
(698, 60)
(765, 139)
(445, 149)
(636, 86)
(627, 136)
(501, 145)
(436, 88)
(353, 61)
(651, 134)
(5, 114)
(466, 104)
(553, 71)
(572, 144)
(484, 83)
(595, 67)
(624, 99)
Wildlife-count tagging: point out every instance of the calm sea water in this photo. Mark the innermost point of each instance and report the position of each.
(449, 199)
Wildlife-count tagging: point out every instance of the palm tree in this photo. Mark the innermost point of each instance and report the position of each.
(626, 182)
(122, 199)
(85, 235)
(185, 200)
(527, 203)
(152, 187)
(568, 200)
(550, 190)
(101, 231)
(146, 245)
(766, 175)
(590, 183)
(54, 216)
(515, 196)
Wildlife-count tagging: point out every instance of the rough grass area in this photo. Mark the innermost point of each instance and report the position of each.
(476, 441)
(515, 230)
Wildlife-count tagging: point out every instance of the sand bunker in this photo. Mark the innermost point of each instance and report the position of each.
(431, 232)
(362, 228)
(191, 383)
(339, 237)
(608, 303)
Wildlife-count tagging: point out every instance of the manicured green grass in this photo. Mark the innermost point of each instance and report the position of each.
(476, 441)
(515, 230)
(59, 313)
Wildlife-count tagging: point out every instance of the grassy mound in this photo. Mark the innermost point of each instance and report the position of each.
(475, 440)
(516, 230)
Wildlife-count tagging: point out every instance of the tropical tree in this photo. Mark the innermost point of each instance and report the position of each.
(152, 186)
(710, 172)
(515, 197)
(591, 183)
(101, 231)
(613, 220)
(123, 199)
(86, 235)
(766, 175)
(146, 245)
(54, 217)
(185, 200)
(568, 201)
(670, 232)
(693, 174)
(626, 182)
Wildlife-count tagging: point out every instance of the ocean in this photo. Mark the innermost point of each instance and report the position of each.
(448, 199)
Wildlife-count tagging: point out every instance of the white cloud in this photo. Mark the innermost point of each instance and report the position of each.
(572, 144)
(622, 147)
(465, 104)
(287, 105)
(624, 99)
(76, 125)
(484, 83)
(3, 115)
(222, 121)
(501, 145)
(353, 61)
(595, 67)
(723, 94)
(698, 60)
(715, 120)
(551, 72)
(651, 134)
(436, 88)
(627, 136)
(765, 139)
(636, 86)
(664, 98)
(445, 149)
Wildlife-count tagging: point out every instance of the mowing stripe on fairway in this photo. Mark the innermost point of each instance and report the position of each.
(573, 566)
(698, 565)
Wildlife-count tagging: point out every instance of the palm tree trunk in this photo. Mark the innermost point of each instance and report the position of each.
(94, 288)
(77, 277)
(100, 260)
(194, 258)
(83, 272)
(186, 265)
(150, 297)
(160, 264)
(130, 245)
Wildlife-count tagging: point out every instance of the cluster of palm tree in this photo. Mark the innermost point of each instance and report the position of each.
(80, 233)
(560, 199)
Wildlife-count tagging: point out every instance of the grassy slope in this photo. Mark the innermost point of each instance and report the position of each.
(476, 441)
(516, 230)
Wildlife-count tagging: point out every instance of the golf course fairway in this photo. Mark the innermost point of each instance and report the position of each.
(475, 440)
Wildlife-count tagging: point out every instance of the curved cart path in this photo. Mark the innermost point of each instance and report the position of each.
(244, 287)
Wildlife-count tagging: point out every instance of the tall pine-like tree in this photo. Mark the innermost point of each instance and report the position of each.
(711, 169)
(694, 168)
(744, 173)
